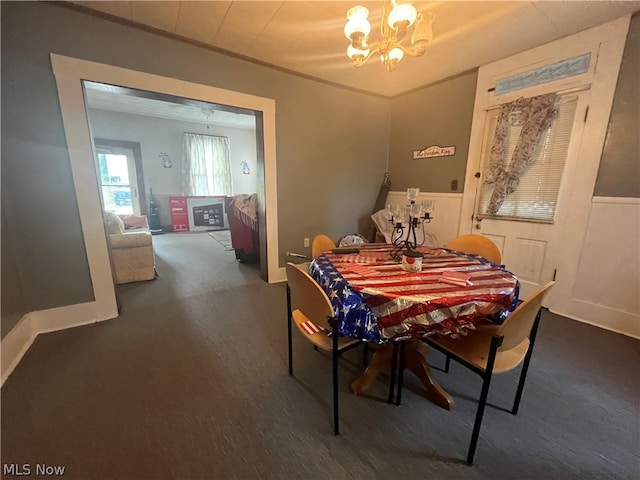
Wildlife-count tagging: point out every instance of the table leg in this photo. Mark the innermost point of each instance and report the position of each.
(415, 362)
(380, 361)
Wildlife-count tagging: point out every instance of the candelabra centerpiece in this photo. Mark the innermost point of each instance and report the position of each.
(406, 219)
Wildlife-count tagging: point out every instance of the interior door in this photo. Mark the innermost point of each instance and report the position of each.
(118, 180)
(527, 226)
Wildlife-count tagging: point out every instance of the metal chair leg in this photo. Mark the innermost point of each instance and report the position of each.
(392, 380)
(495, 343)
(447, 362)
(400, 374)
(289, 330)
(525, 365)
(336, 418)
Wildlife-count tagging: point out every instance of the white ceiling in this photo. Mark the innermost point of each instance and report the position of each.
(117, 99)
(307, 37)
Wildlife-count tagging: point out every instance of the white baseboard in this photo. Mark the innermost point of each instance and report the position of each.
(629, 329)
(280, 276)
(14, 345)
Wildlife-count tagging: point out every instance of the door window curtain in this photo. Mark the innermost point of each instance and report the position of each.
(206, 165)
(535, 115)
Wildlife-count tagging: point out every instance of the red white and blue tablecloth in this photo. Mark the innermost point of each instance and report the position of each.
(376, 300)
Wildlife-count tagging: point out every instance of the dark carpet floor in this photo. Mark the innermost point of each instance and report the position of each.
(190, 382)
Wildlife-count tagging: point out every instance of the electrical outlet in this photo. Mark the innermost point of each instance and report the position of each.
(306, 241)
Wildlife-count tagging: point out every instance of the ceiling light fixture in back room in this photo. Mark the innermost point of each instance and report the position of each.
(404, 31)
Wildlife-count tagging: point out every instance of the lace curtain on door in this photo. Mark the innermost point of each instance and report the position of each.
(206, 167)
(535, 114)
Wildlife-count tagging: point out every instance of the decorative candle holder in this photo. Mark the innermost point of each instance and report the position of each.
(414, 214)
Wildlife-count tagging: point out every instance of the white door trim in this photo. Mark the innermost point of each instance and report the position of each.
(606, 44)
(69, 73)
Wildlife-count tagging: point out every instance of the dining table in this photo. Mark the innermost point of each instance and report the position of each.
(377, 300)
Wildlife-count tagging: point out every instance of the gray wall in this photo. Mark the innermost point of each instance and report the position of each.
(14, 306)
(318, 148)
(441, 115)
(619, 173)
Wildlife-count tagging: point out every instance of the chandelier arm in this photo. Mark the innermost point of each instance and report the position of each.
(390, 48)
(385, 29)
(413, 50)
(373, 49)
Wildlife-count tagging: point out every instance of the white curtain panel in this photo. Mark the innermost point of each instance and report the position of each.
(206, 165)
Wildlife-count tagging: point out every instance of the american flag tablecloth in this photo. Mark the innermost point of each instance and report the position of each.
(374, 299)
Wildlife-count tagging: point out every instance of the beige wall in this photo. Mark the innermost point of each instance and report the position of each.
(441, 115)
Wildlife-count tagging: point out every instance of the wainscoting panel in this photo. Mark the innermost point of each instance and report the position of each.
(606, 290)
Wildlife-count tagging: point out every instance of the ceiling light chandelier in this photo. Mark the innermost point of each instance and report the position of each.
(398, 18)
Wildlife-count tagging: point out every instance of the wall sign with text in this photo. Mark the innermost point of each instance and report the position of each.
(434, 151)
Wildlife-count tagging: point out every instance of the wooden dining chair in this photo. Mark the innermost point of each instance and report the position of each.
(478, 245)
(494, 349)
(321, 243)
(310, 309)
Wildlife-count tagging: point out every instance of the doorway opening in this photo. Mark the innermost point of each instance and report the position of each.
(70, 73)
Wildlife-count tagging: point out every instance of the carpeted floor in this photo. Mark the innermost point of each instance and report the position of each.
(190, 382)
(223, 237)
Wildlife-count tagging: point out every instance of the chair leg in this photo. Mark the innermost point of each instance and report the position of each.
(447, 362)
(392, 379)
(478, 422)
(365, 354)
(336, 418)
(289, 330)
(495, 343)
(400, 374)
(525, 365)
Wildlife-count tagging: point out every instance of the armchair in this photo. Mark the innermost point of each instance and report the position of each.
(131, 251)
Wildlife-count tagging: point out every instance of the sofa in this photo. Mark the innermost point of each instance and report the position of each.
(132, 254)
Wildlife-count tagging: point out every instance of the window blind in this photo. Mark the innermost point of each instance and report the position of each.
(536, 197)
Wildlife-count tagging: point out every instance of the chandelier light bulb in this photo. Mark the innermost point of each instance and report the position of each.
(403, 32)
(357, 27)
(356, 54)
(395, 55)
(402, 16)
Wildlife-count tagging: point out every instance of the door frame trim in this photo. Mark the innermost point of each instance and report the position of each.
(69, 73)
(137, 158)
(606, 44)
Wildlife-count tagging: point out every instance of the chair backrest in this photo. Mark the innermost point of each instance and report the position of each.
(321, 243)
(518, 325)
(478, 245)
(308, 297)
